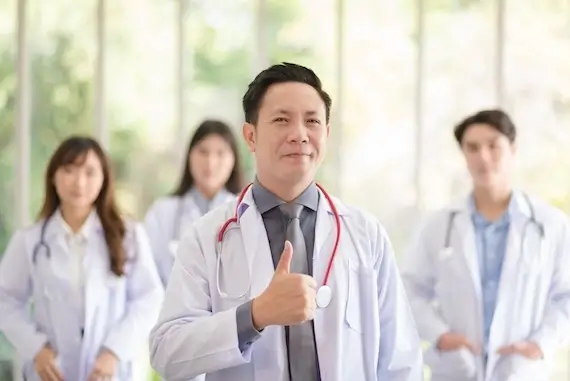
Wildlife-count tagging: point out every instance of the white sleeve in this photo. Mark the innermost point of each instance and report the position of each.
(418, 274)
(144, 297)
(400, 357)
(158, 246)
(188, 339)
(15, 293)
(554, 332)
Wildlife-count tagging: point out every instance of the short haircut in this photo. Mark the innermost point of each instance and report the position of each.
(280, 73)
(496, 119)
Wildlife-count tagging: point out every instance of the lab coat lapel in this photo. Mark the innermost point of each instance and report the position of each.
(509, 275)
(191, 211)
(96, 269)
(469, 249)
(329, 319)
(256, 245)
(57, 250)
(323, 238)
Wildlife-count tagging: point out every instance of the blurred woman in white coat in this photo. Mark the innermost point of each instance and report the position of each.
(489, 277)
(212, 175)
(88, 272)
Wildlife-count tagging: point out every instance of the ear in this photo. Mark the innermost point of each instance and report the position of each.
(514, 147)
(328, 129)
(249, 135)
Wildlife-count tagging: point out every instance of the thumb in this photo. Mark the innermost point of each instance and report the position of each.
(472, 347)
(284, 265)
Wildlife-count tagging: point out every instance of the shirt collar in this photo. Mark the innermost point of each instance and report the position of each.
(480, 221)
(265, 200)
(83, 232)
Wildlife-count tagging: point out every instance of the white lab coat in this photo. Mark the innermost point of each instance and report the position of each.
(366, 333)
(533, 301)
(166, 220)
(119, 311)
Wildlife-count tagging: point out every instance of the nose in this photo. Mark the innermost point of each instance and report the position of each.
(482, 158)
(80, 180)
(298, 132)
(211, 161)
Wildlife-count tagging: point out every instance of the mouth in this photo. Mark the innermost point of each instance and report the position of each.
(298, 155)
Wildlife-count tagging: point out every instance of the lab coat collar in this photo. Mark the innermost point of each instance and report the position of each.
(248, 201)
(58, 227)
(194, 198)
(265, 200)
(518, 206)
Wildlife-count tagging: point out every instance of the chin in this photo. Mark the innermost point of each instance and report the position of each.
(486, 182)
(80, 204)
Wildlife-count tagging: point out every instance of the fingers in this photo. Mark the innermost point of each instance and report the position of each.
(97, 375)
(309, 281)
(506, 350)
(284, 264)
(51, 373)
(466, 343)
(472, 347)
(523, 348)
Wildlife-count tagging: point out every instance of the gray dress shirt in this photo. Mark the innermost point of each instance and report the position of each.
(275, 225)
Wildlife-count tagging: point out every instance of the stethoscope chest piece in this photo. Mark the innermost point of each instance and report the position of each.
(324, 296)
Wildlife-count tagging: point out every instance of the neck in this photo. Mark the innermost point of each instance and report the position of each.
(285, 191)
(208, 194)
(75, 217)
(492, 203)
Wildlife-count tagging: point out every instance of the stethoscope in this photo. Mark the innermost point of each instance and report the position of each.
(42, 243)
(324, 292)
(447, 250)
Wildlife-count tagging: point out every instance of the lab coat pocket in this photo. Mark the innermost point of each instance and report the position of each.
(354, 305)
(117, 296)
(519, 368)
(451, 365)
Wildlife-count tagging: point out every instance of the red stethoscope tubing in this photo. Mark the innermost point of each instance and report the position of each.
(234, 219)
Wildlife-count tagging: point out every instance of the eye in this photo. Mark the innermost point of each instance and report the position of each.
(280, 120)
(314, 121)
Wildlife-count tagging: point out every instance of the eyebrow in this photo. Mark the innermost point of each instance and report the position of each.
(286, 112)
(492, 140)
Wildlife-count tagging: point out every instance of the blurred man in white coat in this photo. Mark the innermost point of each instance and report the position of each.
(489, 277)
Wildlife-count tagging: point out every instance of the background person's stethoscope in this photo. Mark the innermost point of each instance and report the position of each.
(42, 243)
(447, 250)
(324, 292)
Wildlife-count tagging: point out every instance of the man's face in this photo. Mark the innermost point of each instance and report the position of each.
(489, 155)
(289, 139)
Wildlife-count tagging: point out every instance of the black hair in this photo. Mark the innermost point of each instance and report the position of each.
(495, 118)
(205, 129)
(280, 73)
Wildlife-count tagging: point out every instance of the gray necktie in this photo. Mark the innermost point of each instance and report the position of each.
(294, 235)
(301, 342)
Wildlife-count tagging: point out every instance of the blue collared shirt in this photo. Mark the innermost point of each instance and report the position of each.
(491, 241)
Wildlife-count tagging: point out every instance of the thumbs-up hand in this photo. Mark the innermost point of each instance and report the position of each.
(289, 299)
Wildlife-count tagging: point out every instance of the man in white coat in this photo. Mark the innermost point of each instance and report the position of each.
(489, 277)
(262, 306)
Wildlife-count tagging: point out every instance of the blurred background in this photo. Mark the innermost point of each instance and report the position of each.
(141, 74)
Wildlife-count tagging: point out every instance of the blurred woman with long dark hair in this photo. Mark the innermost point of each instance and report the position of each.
(211, 175)
(89, 272)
